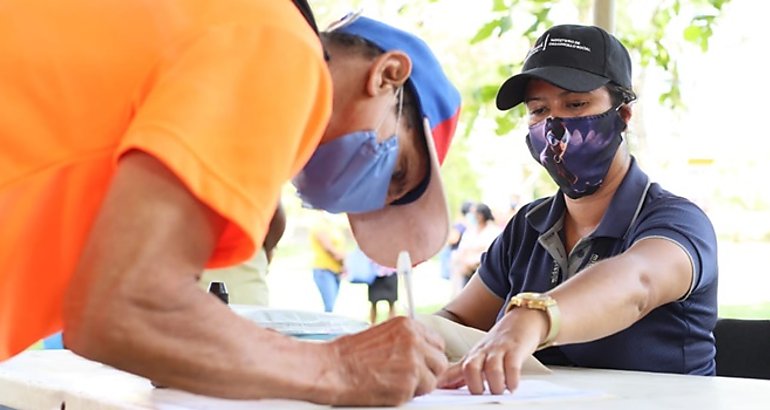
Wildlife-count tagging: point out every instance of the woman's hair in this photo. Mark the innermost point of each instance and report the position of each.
(466, 207)
(485, 212)
(619, 94)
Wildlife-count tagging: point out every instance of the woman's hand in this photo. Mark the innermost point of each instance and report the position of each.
(497, 359)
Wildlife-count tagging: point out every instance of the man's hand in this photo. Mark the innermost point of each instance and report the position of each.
(499, 356)
(387, 365)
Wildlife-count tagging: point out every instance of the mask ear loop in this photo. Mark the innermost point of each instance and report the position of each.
(617, 110)
(400, 96)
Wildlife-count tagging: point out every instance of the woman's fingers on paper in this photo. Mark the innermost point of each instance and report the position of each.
(497, 370)
(512, 367)
(494, 372)
(473, 369)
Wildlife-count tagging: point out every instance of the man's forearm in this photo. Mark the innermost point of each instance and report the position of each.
(133, 300)
(191, 341)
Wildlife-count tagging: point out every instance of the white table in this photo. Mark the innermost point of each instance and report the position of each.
(45, 379)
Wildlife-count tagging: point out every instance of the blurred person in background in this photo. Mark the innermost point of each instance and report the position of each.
(475, 242)
(383, 288)
(455, 235)
(328, 245)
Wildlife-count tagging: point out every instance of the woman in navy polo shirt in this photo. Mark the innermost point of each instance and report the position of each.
(610, 272)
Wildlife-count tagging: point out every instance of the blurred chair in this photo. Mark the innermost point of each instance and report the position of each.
(743, 348)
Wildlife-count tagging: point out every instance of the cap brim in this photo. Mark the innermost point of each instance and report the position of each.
(420, 227)
(512, 91)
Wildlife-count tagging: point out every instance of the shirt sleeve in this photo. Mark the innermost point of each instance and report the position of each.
(234, 114)
(682, 222)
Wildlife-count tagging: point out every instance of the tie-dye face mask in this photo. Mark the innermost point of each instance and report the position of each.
(577, 152)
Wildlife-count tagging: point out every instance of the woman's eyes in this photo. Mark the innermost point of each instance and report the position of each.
(577, 104)
(572, 105)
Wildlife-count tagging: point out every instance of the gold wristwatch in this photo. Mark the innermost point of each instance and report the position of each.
(540, 301)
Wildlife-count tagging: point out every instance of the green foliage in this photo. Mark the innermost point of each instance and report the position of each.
(458, 176)
(501, 25)
(755, 311)
(673, 96)
(701, 26)
(500, 5)
(654, 44)
(509, 120)
(699, 31)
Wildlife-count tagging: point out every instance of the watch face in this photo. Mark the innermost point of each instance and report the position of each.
(536, 300)
(533, 296)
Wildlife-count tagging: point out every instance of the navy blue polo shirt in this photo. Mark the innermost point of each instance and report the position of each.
(529, 256)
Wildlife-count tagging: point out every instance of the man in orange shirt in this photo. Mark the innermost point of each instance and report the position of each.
(142, 142)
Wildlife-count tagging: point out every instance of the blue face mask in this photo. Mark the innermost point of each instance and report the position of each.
(351, 173)
(577, 152)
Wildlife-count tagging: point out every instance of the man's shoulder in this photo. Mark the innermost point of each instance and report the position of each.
(275, 20)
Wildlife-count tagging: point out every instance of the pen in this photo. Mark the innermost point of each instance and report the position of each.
(404, 269)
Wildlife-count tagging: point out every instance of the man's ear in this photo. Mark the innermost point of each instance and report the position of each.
(388, 72)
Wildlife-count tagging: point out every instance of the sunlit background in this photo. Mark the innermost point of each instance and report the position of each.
(706, 143)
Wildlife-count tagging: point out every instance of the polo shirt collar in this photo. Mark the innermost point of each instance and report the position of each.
(623, 210)
(625, 204)
(547, 213)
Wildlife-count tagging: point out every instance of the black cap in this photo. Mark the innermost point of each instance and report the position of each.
(572, 57)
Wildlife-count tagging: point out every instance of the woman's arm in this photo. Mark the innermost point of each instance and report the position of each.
(476, 306)
(601, 300)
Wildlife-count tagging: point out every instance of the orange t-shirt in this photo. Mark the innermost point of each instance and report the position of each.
(231, 95)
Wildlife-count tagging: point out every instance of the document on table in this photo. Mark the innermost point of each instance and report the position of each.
(528, 390)
(458, 339)
(300, 323)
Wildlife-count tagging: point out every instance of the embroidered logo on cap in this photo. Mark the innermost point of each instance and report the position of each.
(558, 42)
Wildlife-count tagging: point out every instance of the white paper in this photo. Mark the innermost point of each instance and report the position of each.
(300, 323)
(528, 390)
(170, 399)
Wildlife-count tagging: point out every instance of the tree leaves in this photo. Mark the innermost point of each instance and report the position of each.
(651, 45)
(500, 25)
(699, 31)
